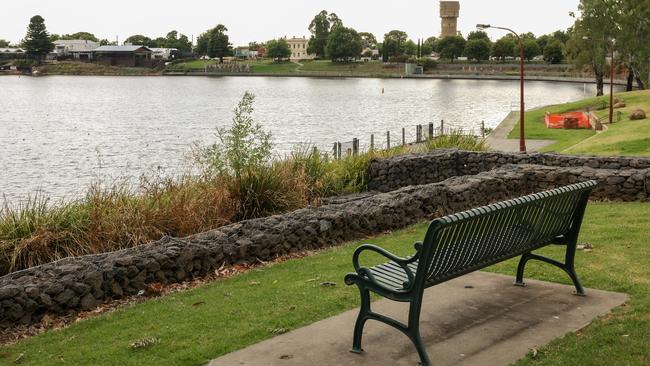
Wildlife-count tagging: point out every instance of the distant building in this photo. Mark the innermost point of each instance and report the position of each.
(124, 55)
(163, 53)
(79, 49)
(298, 47)
(374, 54)
(245, 53)
(11, 50)
(262, 52)
(449, 13)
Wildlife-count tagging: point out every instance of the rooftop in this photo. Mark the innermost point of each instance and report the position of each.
(120, 48)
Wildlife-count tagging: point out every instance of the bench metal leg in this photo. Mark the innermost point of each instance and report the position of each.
(567, 267)
(414, 335)
(361, 321)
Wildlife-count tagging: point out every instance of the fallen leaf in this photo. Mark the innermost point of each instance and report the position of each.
(198, 303)
(534, 351)
(254, 283)
(328, 284)
(286, 357)
(144, 343)
(279, 330)
(19, 358)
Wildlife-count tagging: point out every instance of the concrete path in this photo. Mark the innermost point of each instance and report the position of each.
(498, 140)
(477, 319)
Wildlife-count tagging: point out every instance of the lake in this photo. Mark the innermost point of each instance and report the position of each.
(58, 133)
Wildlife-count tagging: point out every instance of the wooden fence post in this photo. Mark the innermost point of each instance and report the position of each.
(372, 142)
(442, 127)
(430, 131)
(483, 129)
(388, 140)
(403, 136)
(355, 146)
(336, 150)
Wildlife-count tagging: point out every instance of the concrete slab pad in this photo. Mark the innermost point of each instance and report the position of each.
(478, 319)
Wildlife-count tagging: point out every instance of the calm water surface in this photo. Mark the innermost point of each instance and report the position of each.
(58, 133)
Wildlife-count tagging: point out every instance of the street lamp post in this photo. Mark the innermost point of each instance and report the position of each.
(522, 111)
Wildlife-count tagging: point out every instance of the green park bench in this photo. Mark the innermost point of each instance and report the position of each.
(465, 242)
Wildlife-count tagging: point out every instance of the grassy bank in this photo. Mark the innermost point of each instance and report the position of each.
(192, 327)
(622, 138)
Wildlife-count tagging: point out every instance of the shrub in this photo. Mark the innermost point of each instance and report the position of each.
(401, 59)
(427, 63)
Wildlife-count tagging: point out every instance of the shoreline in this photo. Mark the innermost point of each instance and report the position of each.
(560, 79)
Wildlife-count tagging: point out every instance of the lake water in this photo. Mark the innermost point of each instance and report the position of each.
(58, 133)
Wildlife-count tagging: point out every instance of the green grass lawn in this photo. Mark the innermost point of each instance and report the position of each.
(623, 138)
(360, 68)
(201, 324)
(271, 67)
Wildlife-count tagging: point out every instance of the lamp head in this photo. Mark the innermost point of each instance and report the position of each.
(483, 26)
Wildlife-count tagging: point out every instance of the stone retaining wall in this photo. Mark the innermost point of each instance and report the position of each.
(389, 174)
(81, 283)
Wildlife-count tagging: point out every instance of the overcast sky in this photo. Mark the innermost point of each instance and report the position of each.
(260, 20)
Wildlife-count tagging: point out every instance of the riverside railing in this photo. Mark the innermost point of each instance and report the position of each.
(406, 136)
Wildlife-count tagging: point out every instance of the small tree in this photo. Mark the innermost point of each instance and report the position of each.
(503, 48)
(214, 43)
(554, 52)
(4, 43)
(37, 42)
(243, 146)
(531, 49)
(344, 44)
(480, 35)
(477, 49)
(278, 49)
(451, 47)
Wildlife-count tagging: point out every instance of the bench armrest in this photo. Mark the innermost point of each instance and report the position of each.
(402, 262)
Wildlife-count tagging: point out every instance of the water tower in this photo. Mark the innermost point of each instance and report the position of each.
(449, 12)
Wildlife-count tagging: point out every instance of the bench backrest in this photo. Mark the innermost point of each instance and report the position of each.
(468, 241)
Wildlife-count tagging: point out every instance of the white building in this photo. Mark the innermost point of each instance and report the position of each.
(163, 53)
(12, 50)
(80, 49)
(298, 47)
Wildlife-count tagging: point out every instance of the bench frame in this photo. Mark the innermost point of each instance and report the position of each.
(415, 285)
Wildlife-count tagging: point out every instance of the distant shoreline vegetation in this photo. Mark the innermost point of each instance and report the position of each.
(237, 179)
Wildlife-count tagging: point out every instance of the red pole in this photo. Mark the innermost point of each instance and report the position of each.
(522, 138)
(611, 88)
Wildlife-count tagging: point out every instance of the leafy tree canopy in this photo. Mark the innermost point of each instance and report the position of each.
(37, 42)
(451, 47)
(344, 44)
(503, 48)
(320, 28)
(480, 35)
(278, 49)
(79, 35)
(554, 52)
(214, 43)
(477, 49)
(368, 40)
(531, 49)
